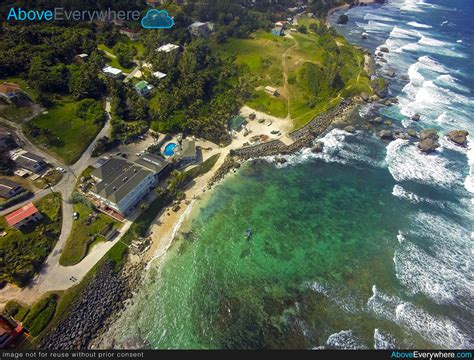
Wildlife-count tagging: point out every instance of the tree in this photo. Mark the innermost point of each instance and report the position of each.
(302, 29)
(85, 82)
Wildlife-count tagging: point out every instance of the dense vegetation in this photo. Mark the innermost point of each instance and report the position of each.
(23, 252)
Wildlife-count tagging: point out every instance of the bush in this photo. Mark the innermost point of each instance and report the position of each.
(11, 308)
(41, 314)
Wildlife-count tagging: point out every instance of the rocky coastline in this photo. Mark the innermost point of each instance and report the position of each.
(98, 305)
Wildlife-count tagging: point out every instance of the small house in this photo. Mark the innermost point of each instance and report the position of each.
(278, 31)
(29, 161)
(81, 58)
(9, 188)
(143, 88)
(188, 154)
(167, 48)
(112, 72)
(271, 90)
(24, 216)
(10, 91)
(236, 123)
(159, 75)
(132, 34)
(200, 29)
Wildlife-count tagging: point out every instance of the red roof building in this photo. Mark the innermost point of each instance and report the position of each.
(10, 330)
(24, 216)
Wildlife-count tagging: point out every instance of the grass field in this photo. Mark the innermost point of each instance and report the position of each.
(84, 234)
(113, 61)
(268, 104)
(72, 133)
(26, 250)
(260, 56)
(265, 60)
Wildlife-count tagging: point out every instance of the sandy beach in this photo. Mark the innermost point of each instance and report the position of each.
(168, 222)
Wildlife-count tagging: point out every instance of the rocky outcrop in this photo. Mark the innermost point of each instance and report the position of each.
(318, 147)
(429, 134)
(350, 129)
(386, 135)
(428, 141)
(384, 49)
(459, 137)
(412, 132)
(416, 117)
(428, 145)
(377, 120)
(343, 19)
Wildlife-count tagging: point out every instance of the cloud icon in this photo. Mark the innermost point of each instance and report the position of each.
(157, 19)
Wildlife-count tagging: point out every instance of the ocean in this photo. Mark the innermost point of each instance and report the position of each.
(366, 245)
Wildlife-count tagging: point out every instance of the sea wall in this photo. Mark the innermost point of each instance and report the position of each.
(302, 137)
(102, 297)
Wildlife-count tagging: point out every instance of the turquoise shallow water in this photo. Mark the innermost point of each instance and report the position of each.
(365, 245)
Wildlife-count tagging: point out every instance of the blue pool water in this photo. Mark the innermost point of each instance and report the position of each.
(169, 149)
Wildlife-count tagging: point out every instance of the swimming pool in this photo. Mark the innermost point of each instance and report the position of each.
(169, 149)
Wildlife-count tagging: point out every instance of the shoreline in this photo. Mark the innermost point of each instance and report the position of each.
(164, 231)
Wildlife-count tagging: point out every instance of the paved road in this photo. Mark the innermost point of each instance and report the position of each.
(54, 276)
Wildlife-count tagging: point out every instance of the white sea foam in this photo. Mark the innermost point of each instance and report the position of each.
(399, 192)
(459, 41)
(337, 149)
(422, 273)
(406, 162)
(438, 330)
(372, 16)
(469, 182)
(342, 298)
(344, 340)
(383, 340)
(418, 25)
(431, 42)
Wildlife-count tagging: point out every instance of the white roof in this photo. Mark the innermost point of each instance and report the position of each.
(167, 48)
(159, 74)
(112, 70)
(82, 55)
(197, 24)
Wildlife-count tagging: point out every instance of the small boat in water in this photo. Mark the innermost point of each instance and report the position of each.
(248, 233)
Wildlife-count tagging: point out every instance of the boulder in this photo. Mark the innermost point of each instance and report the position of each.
(459, 137)
(416, 117)
(343, 19)
(391, 73)
(384, 49)
(412, 132)
(350, 129)
(429, 134)
(405, 77)
(318, 147)
(377, 120)
(388, 122)
(364, 96)
(428, 145)
(386, 135)
(280, 160)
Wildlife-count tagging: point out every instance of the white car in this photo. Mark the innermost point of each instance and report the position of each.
(75, 216)
(60, 169)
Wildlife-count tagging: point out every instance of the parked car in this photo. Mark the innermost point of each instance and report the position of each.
(61, 170)
(75, 216)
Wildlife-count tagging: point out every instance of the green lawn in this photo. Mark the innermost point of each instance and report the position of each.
(71, 134)
(268, 104)
(25, 251)
(261, 62)
(84, 234)
(113, 61)
(260, 56)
